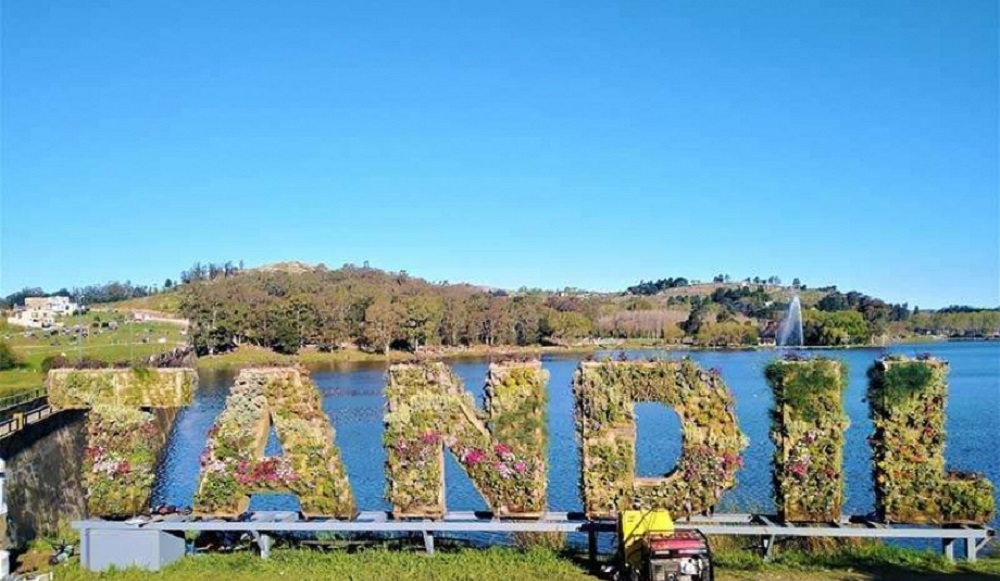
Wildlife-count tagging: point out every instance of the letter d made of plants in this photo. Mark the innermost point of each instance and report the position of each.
(606, 392)
(233, 465)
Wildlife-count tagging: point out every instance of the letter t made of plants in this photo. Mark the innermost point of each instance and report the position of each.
(126, 427)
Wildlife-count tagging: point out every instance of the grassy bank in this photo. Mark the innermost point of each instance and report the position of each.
(865, 563)
(129, 341)
(482, 565)
(250, 355)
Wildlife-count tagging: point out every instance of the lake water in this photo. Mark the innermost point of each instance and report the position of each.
(352, 396)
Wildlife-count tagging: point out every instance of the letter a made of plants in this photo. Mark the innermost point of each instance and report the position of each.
(906, 399)
(233, 465)
(606, 392)
(502, 449)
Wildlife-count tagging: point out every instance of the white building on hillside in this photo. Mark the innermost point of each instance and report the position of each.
(41, 312)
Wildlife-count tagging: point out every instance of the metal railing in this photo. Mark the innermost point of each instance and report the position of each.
(766, 528)
(13, 401)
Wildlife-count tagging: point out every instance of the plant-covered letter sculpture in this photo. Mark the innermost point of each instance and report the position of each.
(502, 449)
(907, 403)
(606, 392)
(807, 428)
(233, 465)
(123, 437)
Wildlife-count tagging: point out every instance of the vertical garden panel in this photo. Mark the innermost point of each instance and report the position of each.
(233, 465)
(907, 404)
(807, 428)
(606, 392)
(502, 449)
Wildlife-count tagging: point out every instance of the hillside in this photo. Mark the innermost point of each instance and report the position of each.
(288, 306)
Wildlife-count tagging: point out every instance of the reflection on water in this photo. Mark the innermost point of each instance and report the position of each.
(352, 396)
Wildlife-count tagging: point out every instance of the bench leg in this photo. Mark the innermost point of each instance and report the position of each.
(948, 549)
(429, 542)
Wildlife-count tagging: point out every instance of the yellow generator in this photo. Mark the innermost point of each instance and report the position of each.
(650, 549)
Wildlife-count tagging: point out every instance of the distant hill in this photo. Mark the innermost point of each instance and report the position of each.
(288, 305)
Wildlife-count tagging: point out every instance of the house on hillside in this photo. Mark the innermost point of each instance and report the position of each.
(41, 312)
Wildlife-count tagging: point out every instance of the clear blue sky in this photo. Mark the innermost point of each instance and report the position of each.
(535, 143)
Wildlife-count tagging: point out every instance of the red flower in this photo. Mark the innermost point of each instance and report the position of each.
(502, 449)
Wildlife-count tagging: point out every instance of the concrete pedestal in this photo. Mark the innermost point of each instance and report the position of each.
(101, 549)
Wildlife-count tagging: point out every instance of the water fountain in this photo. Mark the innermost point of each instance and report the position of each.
(790, 330)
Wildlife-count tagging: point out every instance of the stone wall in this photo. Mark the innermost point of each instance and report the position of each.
(45, 487)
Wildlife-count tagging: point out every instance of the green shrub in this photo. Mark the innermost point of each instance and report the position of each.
(55, 362)
(8, 359)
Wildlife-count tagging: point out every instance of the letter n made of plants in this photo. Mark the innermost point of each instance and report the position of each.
(906, 399)
(606, 392)
(233, 465)
(807, 428)
(129, 414)
(502, 448)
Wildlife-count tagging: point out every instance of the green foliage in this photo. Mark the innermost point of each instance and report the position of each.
(807, 428)
(233, 465)
(957, 322)
(566, 325)
(712, 441)
(55, 362)
(907, 406)
(502, 448)
(834, 328)
(728, 334)
(8, 359)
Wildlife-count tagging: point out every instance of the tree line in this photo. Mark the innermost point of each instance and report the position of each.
(373, 309)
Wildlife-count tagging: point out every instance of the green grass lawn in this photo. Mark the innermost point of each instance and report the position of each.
(131, 341)
(494, 564)
(867, 563)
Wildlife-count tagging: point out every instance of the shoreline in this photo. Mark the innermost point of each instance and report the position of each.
(246, 356)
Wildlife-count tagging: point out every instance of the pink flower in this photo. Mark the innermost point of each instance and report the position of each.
(502, 449)
(520, 467)
(474, 456)
(429, 438)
